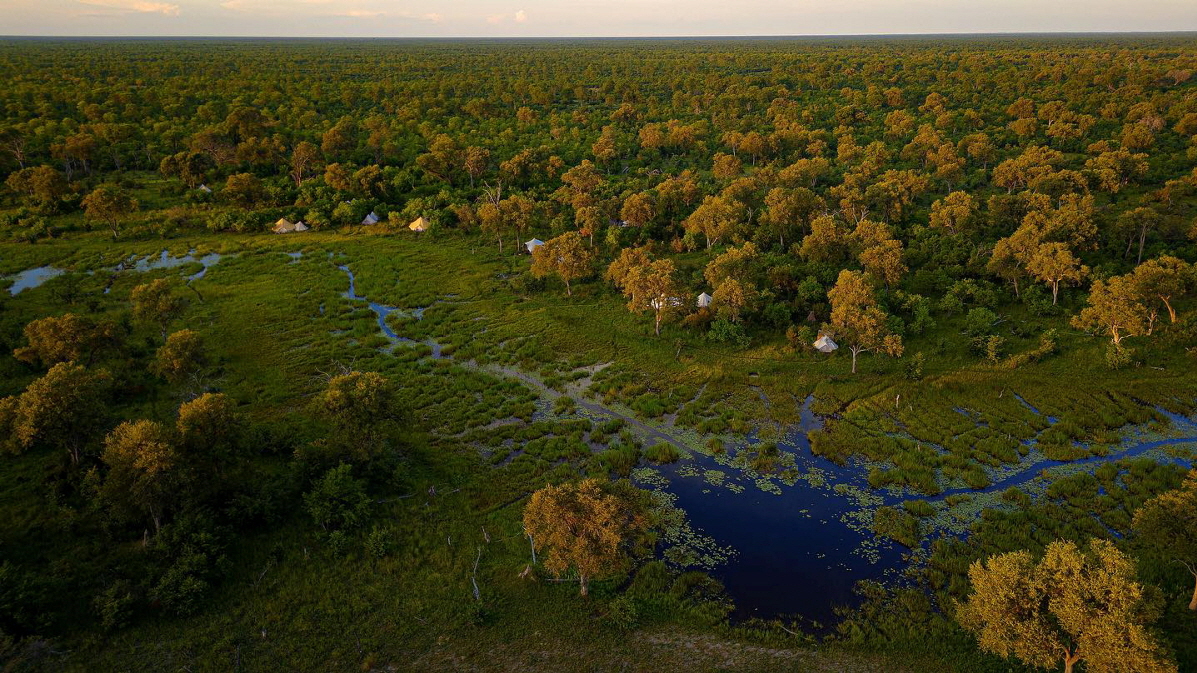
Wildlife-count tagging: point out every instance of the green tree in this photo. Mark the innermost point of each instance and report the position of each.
(338, 501)
(109, 204)
(566, 256)
(66, 338)
(155, 303)
(1168, 524)
(583, 527)
(180, 357)
(857, 319)
(1068, 607)
(61, 410)
(142, 464)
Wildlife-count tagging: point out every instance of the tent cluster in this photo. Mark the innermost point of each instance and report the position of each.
(284, 226)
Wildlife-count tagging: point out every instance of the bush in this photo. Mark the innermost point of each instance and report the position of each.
(725, 331)
(623, 614)
(338, 500)
(898, 526)
(381, 542)
(1118, 357)
(661, 453)
(979, 322)
(914, 366)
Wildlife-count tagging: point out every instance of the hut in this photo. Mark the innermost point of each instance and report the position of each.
(824, 344)
(372, 218)
(704, 300)
(283, 226)
(532, 245)
(419, 224)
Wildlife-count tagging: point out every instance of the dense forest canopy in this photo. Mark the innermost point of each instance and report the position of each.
(999, 233)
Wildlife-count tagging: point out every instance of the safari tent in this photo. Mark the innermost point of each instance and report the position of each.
(419, 224)
(824, 344)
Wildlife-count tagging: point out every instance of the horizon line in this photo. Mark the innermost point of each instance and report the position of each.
(1051, 33)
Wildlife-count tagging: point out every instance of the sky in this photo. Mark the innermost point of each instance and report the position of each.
(585, 18)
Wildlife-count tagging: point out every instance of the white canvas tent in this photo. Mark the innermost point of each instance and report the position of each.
(300, 226)
(204, 188)
(824, 344)
(704, 300)
(533, 245)
(419, 224)
(283, 226)
(372, 218)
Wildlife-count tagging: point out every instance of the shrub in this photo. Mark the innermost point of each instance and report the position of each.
(338, 500)
(725, 331)
(661, 453)
(623, 614)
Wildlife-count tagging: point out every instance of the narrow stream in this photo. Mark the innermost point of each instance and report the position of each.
(803, 544)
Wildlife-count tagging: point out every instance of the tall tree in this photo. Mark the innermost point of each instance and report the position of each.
(61, 410)
(856, 318)
(1115, 306)
(1054, 263)
(1070, 606)
(582, 527)
(1166, 279)
(154, 302)
(142, 464)
(109, 204)
(1168, 523)
(566, 256)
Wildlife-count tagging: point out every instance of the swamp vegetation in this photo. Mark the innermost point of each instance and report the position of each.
(366, 447)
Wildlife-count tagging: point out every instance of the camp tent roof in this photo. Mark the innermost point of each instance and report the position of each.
(283, 226)
(300, 226)
(372, 218)
(419, 224)
(533, 244)
(824, 344)
(704, 300)
(205, 188)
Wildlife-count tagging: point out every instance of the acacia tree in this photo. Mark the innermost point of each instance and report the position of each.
(652, 287)
(1114, 306)
(856, 318)
(1054, 263)
(566, 256)
(363, 409)
(142, 461)
(66, 338)
(955, 212)
(1168, 523)
(62, 409)
(1068, 607)
(109, 204)
(1166, 278)
(583, 527)
(180, 357)
(155, 303)
(716, 218)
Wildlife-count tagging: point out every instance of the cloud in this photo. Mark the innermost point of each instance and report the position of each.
(142, 6)
(519, 17)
